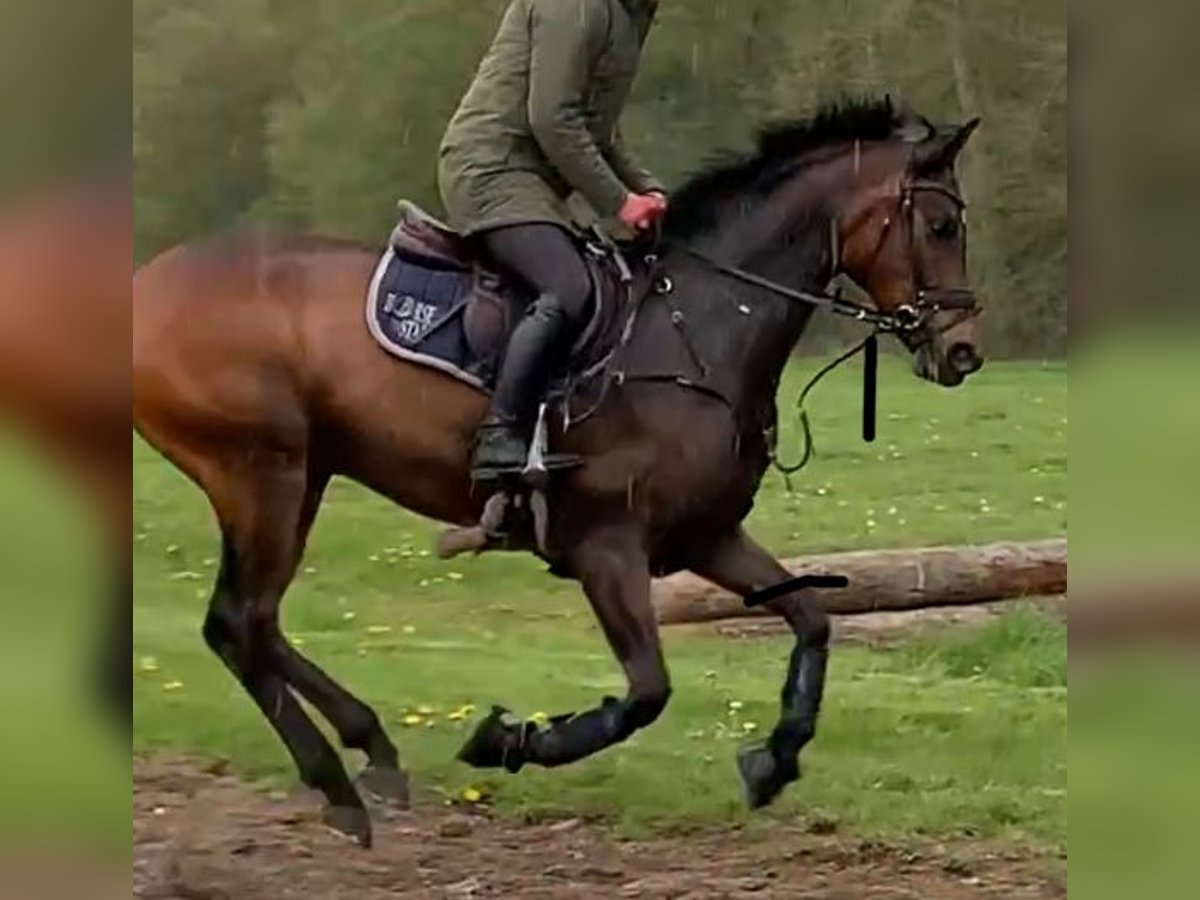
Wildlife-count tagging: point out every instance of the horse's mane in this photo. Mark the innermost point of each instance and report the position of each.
(694, 205)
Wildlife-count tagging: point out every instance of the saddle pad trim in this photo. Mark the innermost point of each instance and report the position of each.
(403, 352)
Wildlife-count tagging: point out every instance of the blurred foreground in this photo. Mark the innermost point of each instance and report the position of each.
(64, 767)
(1135, 579)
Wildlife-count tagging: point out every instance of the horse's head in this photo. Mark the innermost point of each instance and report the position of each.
(903, 240)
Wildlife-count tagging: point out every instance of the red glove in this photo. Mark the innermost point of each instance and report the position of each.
(643, 210)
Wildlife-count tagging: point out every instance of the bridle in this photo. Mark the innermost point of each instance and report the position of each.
(916, 316)
(910, 321)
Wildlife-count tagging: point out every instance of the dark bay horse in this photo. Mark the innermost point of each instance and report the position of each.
(66, 254)
(254, 374)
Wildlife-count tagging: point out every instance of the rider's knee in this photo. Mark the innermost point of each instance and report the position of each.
(564, 319)
(571, 292)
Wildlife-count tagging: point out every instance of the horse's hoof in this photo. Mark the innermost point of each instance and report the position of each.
(351, 821)
(762, 775)
(494, 741)
(387, 785)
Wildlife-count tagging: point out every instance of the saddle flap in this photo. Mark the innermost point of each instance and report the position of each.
(488, 317)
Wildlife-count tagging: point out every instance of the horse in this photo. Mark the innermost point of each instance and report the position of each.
(66, 255)
(254, 375)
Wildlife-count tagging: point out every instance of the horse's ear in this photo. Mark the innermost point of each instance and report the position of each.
(913, 128)
(939, 152)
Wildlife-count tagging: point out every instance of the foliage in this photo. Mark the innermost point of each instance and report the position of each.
(321, 113)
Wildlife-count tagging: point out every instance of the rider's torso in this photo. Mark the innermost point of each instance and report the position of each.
(490, 139)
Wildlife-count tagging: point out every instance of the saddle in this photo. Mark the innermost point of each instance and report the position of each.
(428, 238)
(432, 301)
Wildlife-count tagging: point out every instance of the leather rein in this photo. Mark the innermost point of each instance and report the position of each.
(905, 320)
(911, 321)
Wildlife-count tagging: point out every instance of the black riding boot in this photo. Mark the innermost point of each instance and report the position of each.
(503, 438)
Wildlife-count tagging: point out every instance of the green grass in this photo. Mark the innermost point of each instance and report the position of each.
(962, 733)
(64, 774)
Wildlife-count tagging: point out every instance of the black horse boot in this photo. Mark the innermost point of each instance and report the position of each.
(503, 446)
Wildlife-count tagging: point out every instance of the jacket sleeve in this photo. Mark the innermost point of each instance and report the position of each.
(564, 37)
(628, 169)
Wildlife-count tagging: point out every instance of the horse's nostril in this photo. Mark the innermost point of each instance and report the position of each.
(964, 359)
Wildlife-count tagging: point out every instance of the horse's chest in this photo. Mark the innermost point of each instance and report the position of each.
(710, 481)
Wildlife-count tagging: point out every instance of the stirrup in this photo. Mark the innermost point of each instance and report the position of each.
(487, 474)
(541, 463)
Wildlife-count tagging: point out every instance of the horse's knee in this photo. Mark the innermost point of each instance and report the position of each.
(644, 708)
(361, 728)
(809, 622)
(816, 629)
(221, 628)
(227, 631)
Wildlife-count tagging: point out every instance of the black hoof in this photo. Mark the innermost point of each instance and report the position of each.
(763, 776)
(351, 821)
(387, 785)
(495, 742)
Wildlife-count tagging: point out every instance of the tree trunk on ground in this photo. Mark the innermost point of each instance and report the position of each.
(889, 580)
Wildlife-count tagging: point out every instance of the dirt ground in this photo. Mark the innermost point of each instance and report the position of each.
(203, 835)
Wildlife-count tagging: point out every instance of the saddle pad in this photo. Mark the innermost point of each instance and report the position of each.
(416, 313)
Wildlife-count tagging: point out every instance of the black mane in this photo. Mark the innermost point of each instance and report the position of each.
(694, 205)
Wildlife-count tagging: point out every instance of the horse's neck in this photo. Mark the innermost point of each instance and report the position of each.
(746, 334)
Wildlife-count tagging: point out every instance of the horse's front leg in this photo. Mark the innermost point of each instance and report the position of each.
(740, 565)
(615, 574)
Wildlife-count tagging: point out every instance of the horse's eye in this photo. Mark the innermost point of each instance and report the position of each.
(946, 228)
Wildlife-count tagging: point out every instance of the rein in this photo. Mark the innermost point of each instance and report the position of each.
(910, 321)
(905, 319)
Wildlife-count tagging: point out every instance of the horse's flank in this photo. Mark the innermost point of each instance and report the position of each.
(321, 393)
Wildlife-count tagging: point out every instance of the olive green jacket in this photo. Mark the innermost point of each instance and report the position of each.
(540, 120)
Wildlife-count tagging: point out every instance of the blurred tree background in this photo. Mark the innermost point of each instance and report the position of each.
(319, 114)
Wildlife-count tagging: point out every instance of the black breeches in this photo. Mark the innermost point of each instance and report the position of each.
(546, 259)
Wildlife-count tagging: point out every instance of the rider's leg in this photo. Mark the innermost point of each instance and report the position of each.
(546, 259)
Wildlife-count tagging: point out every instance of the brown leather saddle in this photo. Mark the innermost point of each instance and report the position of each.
(495, 303)
(427, 237)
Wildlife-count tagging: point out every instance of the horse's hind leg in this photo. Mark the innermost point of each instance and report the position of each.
(740, 565)
(616, 579)
(258, 514)
(357, 725)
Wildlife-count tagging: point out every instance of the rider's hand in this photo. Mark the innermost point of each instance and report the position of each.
(643, 210)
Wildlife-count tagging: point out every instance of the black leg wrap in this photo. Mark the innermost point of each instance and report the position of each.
(569, 738)
(504, 741)
(767, 769)
(800, 700)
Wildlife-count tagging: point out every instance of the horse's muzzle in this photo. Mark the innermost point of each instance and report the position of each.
(949, 368)
(963, 359)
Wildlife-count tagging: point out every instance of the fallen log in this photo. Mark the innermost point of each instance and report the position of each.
(889, 580)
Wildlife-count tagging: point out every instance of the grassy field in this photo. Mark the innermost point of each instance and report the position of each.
(963, 733)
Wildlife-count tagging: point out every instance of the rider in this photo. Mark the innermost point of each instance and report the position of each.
(539, 123)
